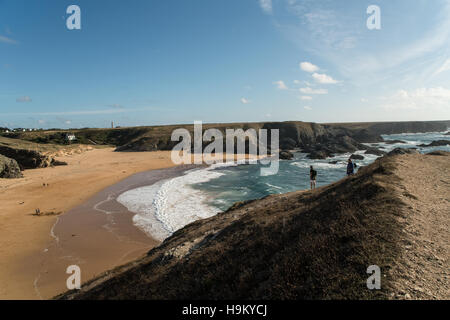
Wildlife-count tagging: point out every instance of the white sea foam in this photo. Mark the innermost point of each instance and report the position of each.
(169, 205)
(321, 165)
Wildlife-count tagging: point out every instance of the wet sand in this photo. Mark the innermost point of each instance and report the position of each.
(96, 236)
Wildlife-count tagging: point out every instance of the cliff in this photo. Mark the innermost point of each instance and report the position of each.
(307, 245)
(320, 140)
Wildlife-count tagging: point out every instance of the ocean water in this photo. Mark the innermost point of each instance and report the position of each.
(162, 208)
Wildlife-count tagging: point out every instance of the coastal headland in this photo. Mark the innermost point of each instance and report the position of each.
(53, 178)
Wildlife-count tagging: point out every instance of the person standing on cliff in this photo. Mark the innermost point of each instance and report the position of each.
(350, 167)
(312, 177)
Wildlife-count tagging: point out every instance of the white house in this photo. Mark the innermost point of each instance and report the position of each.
(70, 137)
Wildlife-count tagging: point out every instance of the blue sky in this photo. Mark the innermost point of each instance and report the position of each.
(147, 62)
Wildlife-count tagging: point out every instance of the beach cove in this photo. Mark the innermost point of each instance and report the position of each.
(25, 237)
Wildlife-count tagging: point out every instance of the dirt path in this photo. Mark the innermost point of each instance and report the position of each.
(425, 264)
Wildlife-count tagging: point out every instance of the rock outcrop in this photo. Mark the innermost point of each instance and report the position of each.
(29, 155)
(395, 142)
(436, 143)
(319, 155)
(9, 168)
(375, 151)
(399, 151)
(286, 155)
(27, 159)
(356, 157)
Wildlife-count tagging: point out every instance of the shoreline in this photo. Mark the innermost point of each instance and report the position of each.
(97, 235)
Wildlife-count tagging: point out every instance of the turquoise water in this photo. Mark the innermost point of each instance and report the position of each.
(168, 205)
(244, 182)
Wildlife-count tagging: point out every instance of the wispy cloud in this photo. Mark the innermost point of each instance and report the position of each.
(266, 6)
(307, 108)
(245, 101)
(83, 112)
(281, 85)
(116, 106)
(23, 99)
(309, 90)
(444, 67)
(338, 35)
(419, 99)
(306, 98)
(5, 39)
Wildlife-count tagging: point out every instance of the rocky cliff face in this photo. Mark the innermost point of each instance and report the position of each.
(27, 159)
(28, 155)
(319, 140)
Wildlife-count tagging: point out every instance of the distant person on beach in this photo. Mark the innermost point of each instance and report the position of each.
(312, 177)
(350, 167)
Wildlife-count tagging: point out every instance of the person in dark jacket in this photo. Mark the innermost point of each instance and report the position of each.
(350, 167)
(312, 177)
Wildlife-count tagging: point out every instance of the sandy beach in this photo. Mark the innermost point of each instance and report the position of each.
(24, 236)
(80, 221)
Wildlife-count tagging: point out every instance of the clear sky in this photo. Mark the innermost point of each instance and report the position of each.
(146, 62)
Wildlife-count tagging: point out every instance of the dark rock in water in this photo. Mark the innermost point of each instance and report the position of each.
(365, 136)
(437, 143)
(287, 144)
(395, 141)
(398, 151)
(319, 155)
(333, 162)
(375, 151)
(344, 144)
(438, 153)
(9, 168)
(356, 157)
(286, 155)
(329, 145)
(447, 134)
